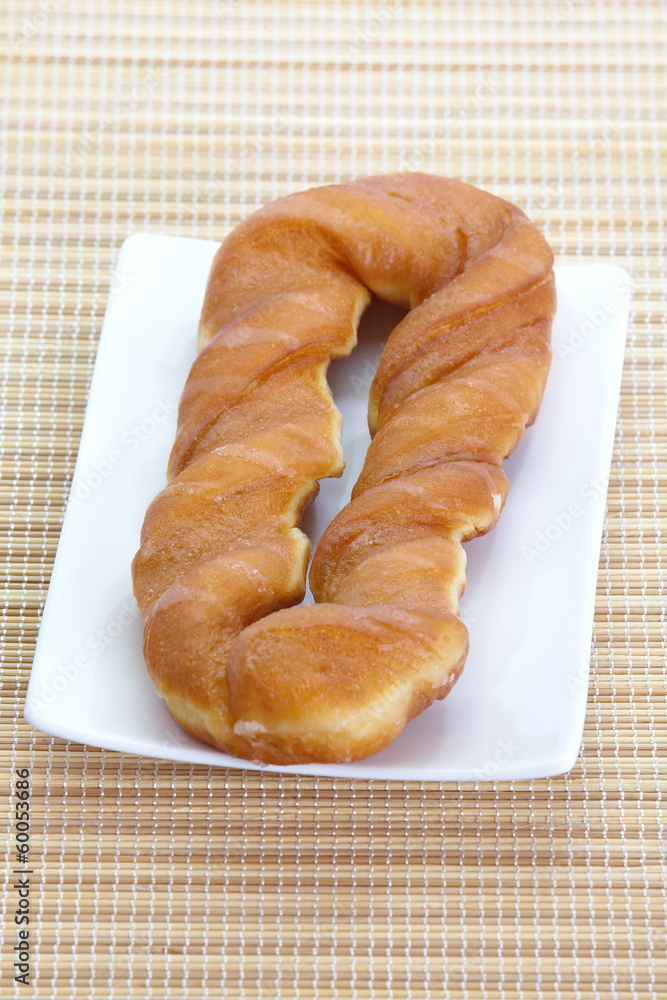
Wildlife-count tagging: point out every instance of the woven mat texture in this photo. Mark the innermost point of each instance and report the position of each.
(154, 879)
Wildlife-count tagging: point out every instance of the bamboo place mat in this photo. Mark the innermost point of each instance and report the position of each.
(153, 879)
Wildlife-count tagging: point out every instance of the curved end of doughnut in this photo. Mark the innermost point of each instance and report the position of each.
(329, 683)
(192, 626)
(212, 726)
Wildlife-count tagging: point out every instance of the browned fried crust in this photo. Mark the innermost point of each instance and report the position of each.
(222, 559)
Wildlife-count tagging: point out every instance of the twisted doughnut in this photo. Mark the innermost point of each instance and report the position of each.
(222, 558)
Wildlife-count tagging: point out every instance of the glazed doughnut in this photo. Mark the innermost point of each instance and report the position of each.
(222, 560)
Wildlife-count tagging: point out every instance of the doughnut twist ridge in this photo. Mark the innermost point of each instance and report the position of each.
(222, 560)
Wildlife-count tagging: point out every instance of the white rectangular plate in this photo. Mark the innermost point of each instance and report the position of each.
(517, 711)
